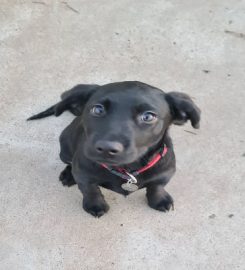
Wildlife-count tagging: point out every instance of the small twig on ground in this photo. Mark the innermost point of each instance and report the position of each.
(190, 132)
(39, 2)
(70, 7)
(235, 34)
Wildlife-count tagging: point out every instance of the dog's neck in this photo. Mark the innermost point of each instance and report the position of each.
(152, 151)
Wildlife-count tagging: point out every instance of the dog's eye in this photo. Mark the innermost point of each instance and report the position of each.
(148, 117)
(97, 110)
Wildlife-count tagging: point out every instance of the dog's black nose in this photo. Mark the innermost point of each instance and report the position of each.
(109, 147)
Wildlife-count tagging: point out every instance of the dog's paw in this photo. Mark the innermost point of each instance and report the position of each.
(163, 204)
(66, 177)
(96, 209)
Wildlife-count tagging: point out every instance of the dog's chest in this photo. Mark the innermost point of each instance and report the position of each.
(120, 185)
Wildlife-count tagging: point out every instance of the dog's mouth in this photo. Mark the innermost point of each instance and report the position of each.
(110, 162)
(115, 161)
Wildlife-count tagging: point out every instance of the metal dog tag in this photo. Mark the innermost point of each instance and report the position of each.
(131, 184)
(129, 187)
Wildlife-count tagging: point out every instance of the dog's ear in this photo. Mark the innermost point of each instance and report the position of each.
(183, 109)
(75, 99)
(72, 100)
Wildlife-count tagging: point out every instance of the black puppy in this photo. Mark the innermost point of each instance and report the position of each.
(119, 140)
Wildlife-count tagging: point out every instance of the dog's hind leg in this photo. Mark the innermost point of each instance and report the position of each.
(66, 177)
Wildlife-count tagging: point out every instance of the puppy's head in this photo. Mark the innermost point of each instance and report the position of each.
(123, 120)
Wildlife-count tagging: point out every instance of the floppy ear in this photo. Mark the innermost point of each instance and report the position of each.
(183, 109)
(72, 100)
(75, 99)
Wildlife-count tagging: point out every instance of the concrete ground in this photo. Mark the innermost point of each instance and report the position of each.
(198, 47)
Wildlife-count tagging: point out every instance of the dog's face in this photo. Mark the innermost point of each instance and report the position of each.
(123, 120)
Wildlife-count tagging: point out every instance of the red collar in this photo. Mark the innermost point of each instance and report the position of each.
(124, 173)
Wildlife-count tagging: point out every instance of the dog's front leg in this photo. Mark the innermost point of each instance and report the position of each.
(93, 200)
(158, 198)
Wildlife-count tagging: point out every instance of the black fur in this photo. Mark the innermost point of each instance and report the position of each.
(120, 136)
(66, 177)
(71, 100)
